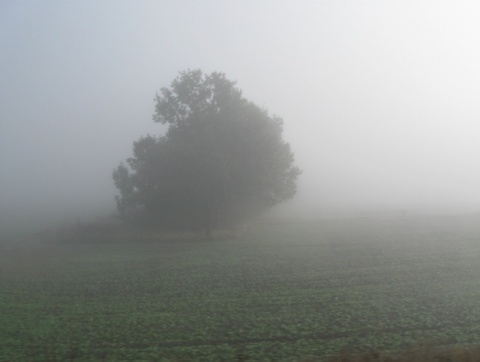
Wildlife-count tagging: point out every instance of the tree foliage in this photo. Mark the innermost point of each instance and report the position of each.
(222, 159)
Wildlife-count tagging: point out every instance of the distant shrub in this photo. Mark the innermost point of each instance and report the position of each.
(102, 230)
(113, 231)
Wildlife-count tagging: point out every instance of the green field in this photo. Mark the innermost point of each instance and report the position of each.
(280, 291)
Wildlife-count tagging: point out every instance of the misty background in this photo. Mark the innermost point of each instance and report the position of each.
(380, 99)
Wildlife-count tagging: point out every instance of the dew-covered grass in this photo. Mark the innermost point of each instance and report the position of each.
(279, 291)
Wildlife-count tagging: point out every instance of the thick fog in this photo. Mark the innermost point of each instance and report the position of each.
(380, 99)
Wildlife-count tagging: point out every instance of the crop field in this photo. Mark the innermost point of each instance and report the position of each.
(280, 291)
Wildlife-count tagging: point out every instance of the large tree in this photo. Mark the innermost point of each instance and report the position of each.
(222, 159)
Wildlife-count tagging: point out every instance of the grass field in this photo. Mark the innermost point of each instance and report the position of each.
(280, 291)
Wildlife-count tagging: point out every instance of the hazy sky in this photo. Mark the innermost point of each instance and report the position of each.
(381, 99)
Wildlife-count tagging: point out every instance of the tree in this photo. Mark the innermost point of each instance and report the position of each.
(222, 159)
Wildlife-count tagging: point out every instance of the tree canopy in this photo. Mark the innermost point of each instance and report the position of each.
(222, 159)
